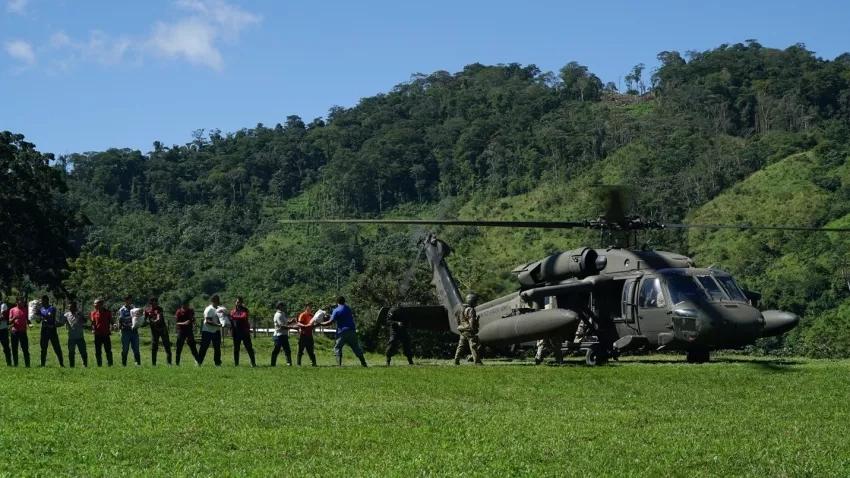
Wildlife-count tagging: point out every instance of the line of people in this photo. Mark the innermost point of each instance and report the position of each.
(129, 319)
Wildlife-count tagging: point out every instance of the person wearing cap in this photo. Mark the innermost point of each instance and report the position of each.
(4, 331)
(101, 324)
(241, 331)
(211, 332)
(19, 321)
(155, 316)
(49, 333)
(75, 319)
(185, 318)
(346, 333)
(129, 335)
(305, 334)
(281, 334)
(398, 334)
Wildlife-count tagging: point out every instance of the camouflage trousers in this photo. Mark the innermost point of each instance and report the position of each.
(474, 346)
(553, 343)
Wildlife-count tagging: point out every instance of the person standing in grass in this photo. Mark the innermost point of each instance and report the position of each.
(305, 334)
(19, 322)
(467, 320)
(4, 331)
(281, 335)
(241, 332)
(76, 341)
(185, 318)
(49, 333)
(159, 330)
(101, 323)
(211, 332)
(398, 334)
(346, 334)
(129, 335)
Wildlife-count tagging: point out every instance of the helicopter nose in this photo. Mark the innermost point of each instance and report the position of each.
(730, 323)
(744, 321)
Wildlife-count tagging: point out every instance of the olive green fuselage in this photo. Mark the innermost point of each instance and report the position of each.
(659, 297)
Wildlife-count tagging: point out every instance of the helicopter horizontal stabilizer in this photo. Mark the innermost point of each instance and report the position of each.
(526, 327)
(422, 317)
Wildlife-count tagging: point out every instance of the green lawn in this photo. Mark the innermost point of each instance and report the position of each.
(653, 417)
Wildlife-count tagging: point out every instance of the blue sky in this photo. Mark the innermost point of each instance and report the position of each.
(86, 75)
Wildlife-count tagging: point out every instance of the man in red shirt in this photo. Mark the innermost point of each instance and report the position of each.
(305, 334)
(20, 322)
(101, 325)
(241, 332)
(185, 318)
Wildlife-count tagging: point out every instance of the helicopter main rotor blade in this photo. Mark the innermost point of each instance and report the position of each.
(625, 226)
(445, 222)
(766, 228)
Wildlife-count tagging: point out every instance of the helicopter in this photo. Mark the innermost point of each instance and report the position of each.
(625, 298)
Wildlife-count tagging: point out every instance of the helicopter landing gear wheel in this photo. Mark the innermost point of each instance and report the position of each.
(596, 355)
(697, 355)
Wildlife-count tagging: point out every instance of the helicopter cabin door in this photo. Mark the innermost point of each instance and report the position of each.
(653, 304)
(627, 322)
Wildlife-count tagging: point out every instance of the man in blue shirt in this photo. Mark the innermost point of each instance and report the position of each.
(345, 331)
(49, 334)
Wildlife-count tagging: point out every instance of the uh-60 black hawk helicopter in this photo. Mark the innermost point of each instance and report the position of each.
(624, 298)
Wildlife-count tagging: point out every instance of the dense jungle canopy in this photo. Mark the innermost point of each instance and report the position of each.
(741, 134)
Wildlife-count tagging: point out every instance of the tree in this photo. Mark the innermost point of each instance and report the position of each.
(35, 225)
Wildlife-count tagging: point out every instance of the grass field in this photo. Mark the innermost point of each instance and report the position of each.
(655, 417)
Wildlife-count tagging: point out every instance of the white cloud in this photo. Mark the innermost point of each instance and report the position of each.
(17, 6)
(190, 39)
(100, 48)
(21, 50)
(194, 36)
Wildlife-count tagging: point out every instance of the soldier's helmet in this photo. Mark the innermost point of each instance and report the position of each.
(471, 299)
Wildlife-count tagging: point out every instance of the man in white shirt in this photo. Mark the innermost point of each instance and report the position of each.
(4, 331)
(281, 335)
(211, 332)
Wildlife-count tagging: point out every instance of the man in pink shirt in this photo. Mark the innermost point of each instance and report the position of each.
(20, 322)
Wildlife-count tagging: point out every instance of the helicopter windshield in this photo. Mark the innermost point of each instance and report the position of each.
(710, 286)
(731, 287)
(682, 288)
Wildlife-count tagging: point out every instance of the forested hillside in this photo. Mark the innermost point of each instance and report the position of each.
(739, 134)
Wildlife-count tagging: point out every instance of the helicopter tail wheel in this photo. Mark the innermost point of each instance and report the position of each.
(596, 355)
(697, 355)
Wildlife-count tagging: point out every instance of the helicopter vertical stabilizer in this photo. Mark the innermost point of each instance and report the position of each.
(447, 292)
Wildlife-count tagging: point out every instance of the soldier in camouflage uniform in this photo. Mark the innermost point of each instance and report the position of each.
(467, 321)
(553, 343)
(398, 335)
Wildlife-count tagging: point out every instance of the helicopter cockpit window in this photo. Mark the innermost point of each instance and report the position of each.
(711, 287)
(682, 288)
(651, 295)
(731, 287)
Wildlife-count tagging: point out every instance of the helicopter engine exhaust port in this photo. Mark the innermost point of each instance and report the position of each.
(578, 263)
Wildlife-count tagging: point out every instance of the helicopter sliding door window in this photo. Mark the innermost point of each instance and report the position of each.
(651, 295)
(628, 302)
